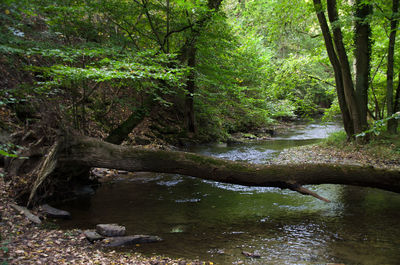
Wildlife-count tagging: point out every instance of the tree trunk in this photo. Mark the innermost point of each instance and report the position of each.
(392, 124)
(363, 58)
(189, 53)
(91, 152)
(214, 4)
(348, 85)
(119, 134)
(191, 87)
(347, 121)
(397, 98)
(168, 22)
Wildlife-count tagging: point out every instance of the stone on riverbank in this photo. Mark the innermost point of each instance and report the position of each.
(130, 240)
(110, 230)
(54, 213)
(92, 235)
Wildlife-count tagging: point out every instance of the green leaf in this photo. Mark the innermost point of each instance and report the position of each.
(4, 153)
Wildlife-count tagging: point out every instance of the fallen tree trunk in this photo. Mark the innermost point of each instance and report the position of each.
(91, 152)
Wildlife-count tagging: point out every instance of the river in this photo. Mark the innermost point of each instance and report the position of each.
(212, 221)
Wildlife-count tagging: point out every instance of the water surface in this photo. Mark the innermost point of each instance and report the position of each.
(215, 221)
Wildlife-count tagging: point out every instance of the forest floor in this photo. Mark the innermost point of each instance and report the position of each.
(23, 242)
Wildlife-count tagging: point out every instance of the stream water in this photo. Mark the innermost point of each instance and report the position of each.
(213, 221)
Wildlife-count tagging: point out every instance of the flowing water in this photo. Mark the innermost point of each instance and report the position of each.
(214, 221)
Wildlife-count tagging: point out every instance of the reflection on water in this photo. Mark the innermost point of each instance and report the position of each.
(216, 221)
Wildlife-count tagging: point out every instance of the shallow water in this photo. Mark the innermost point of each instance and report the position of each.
(215, 221)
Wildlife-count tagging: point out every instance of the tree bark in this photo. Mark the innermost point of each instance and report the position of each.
(91, 152)
(391, 104)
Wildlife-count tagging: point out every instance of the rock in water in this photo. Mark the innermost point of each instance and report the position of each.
(255, 254)
(92, 235)
(110, 230)
(130, 240)
(54, 213)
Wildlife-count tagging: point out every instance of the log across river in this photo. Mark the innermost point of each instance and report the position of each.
(74, 152)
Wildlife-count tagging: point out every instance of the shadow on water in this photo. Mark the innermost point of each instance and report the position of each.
(216, 221)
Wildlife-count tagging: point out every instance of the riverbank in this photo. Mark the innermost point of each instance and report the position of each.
(383, 152)
(23, 242)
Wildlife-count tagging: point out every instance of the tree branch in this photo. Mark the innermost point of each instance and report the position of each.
(323, 81)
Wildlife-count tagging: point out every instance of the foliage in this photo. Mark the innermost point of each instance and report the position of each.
(231, 76)
(295, 65)
(332, 112)
(379, 125)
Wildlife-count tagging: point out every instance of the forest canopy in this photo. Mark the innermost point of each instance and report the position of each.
(211, 68)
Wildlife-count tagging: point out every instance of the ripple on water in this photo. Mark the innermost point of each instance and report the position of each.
(239, 188)
(188, 200)
(249, 154)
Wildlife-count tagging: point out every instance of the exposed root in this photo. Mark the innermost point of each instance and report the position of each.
(45, 168)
